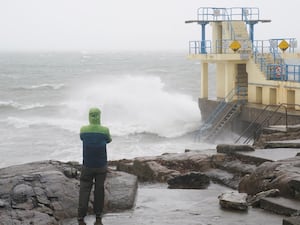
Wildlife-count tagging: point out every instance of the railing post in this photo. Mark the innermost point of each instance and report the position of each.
(203, 46)
(286, 120)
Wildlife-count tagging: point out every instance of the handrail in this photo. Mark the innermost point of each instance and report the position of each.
(266, 46)
(278, 70)
(266, 119)
(216, 14)
(251, 124)
(220, 107)
(234, 13)
(225, 115)
(195, 47)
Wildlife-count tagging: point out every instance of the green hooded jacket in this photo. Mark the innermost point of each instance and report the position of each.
(94, 138)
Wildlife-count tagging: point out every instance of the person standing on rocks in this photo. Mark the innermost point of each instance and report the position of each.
(94, 166)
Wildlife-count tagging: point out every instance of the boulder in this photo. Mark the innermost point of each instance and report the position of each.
(294, 220)
(276, 134)
(233, 165)
(228, 149)
(281, 205)
(223, 177)
(233, 200)
(162, 168)
(191, 180)
(294, 183)
(121, 189)
(255, 200)
(282, 175)
(47, 192)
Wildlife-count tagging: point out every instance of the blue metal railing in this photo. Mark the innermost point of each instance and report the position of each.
(195, 47)
(216, 14)
(244, 13)
(208, 123)
(277, 69)
(222, 46)
(259, 47)
(284, 72)
(212, 14)
(223, 14)
(208, 14)
(267, 46)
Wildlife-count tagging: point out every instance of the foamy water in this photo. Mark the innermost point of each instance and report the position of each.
(148, 100)
(136, 104)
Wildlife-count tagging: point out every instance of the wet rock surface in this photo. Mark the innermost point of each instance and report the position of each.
(227, 148)
(191, 180)
(280, 205)
(164, 167)
(255, 199)
(282, 175)
(47, 192)
(222, 168)
(295, 220)
(255, 178)
(279, 136)
(233, 200)
(158, 205)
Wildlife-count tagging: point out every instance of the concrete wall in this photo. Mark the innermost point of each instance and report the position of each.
(216, 35)
(250, 113)
(220, 80)
(273, 92)
(204, 80)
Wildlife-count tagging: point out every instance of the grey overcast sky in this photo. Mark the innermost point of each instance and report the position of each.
(125, 24)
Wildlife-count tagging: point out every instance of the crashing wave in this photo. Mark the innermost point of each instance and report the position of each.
(16, 105)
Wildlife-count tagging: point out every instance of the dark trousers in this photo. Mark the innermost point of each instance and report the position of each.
(87, 178)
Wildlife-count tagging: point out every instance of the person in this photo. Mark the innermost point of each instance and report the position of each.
(94, 167)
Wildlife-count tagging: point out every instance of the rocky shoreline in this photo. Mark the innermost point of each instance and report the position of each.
(256, 182)
(46, 193)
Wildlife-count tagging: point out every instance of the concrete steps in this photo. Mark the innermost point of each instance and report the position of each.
(280, 205)
(295, 220)
(240, 30)
(219, 124)
(288, 208)
(242, 82)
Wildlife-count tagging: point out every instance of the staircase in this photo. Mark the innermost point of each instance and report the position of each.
(242, 83)
(240, 30)
(237, 31)
(219, 124)
(224, 112)
(267, 62)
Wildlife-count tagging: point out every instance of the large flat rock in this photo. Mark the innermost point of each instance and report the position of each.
(158, 205)
(272, 154)
(282, 175)
(279, 205)
(46, 192)
(295, 220)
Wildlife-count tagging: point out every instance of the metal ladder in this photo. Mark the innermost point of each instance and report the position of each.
(214, 131)
(221, 116)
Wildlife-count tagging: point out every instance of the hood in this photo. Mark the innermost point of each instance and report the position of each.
(94, 116)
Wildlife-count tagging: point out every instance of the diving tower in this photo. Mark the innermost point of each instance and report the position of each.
(249, 73)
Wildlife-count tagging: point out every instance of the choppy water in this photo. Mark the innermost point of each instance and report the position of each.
(148, 100)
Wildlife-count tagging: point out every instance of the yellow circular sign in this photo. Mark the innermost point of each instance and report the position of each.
(283, 45)
(235, 45)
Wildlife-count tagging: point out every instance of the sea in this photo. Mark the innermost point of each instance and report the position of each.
(148, 101)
